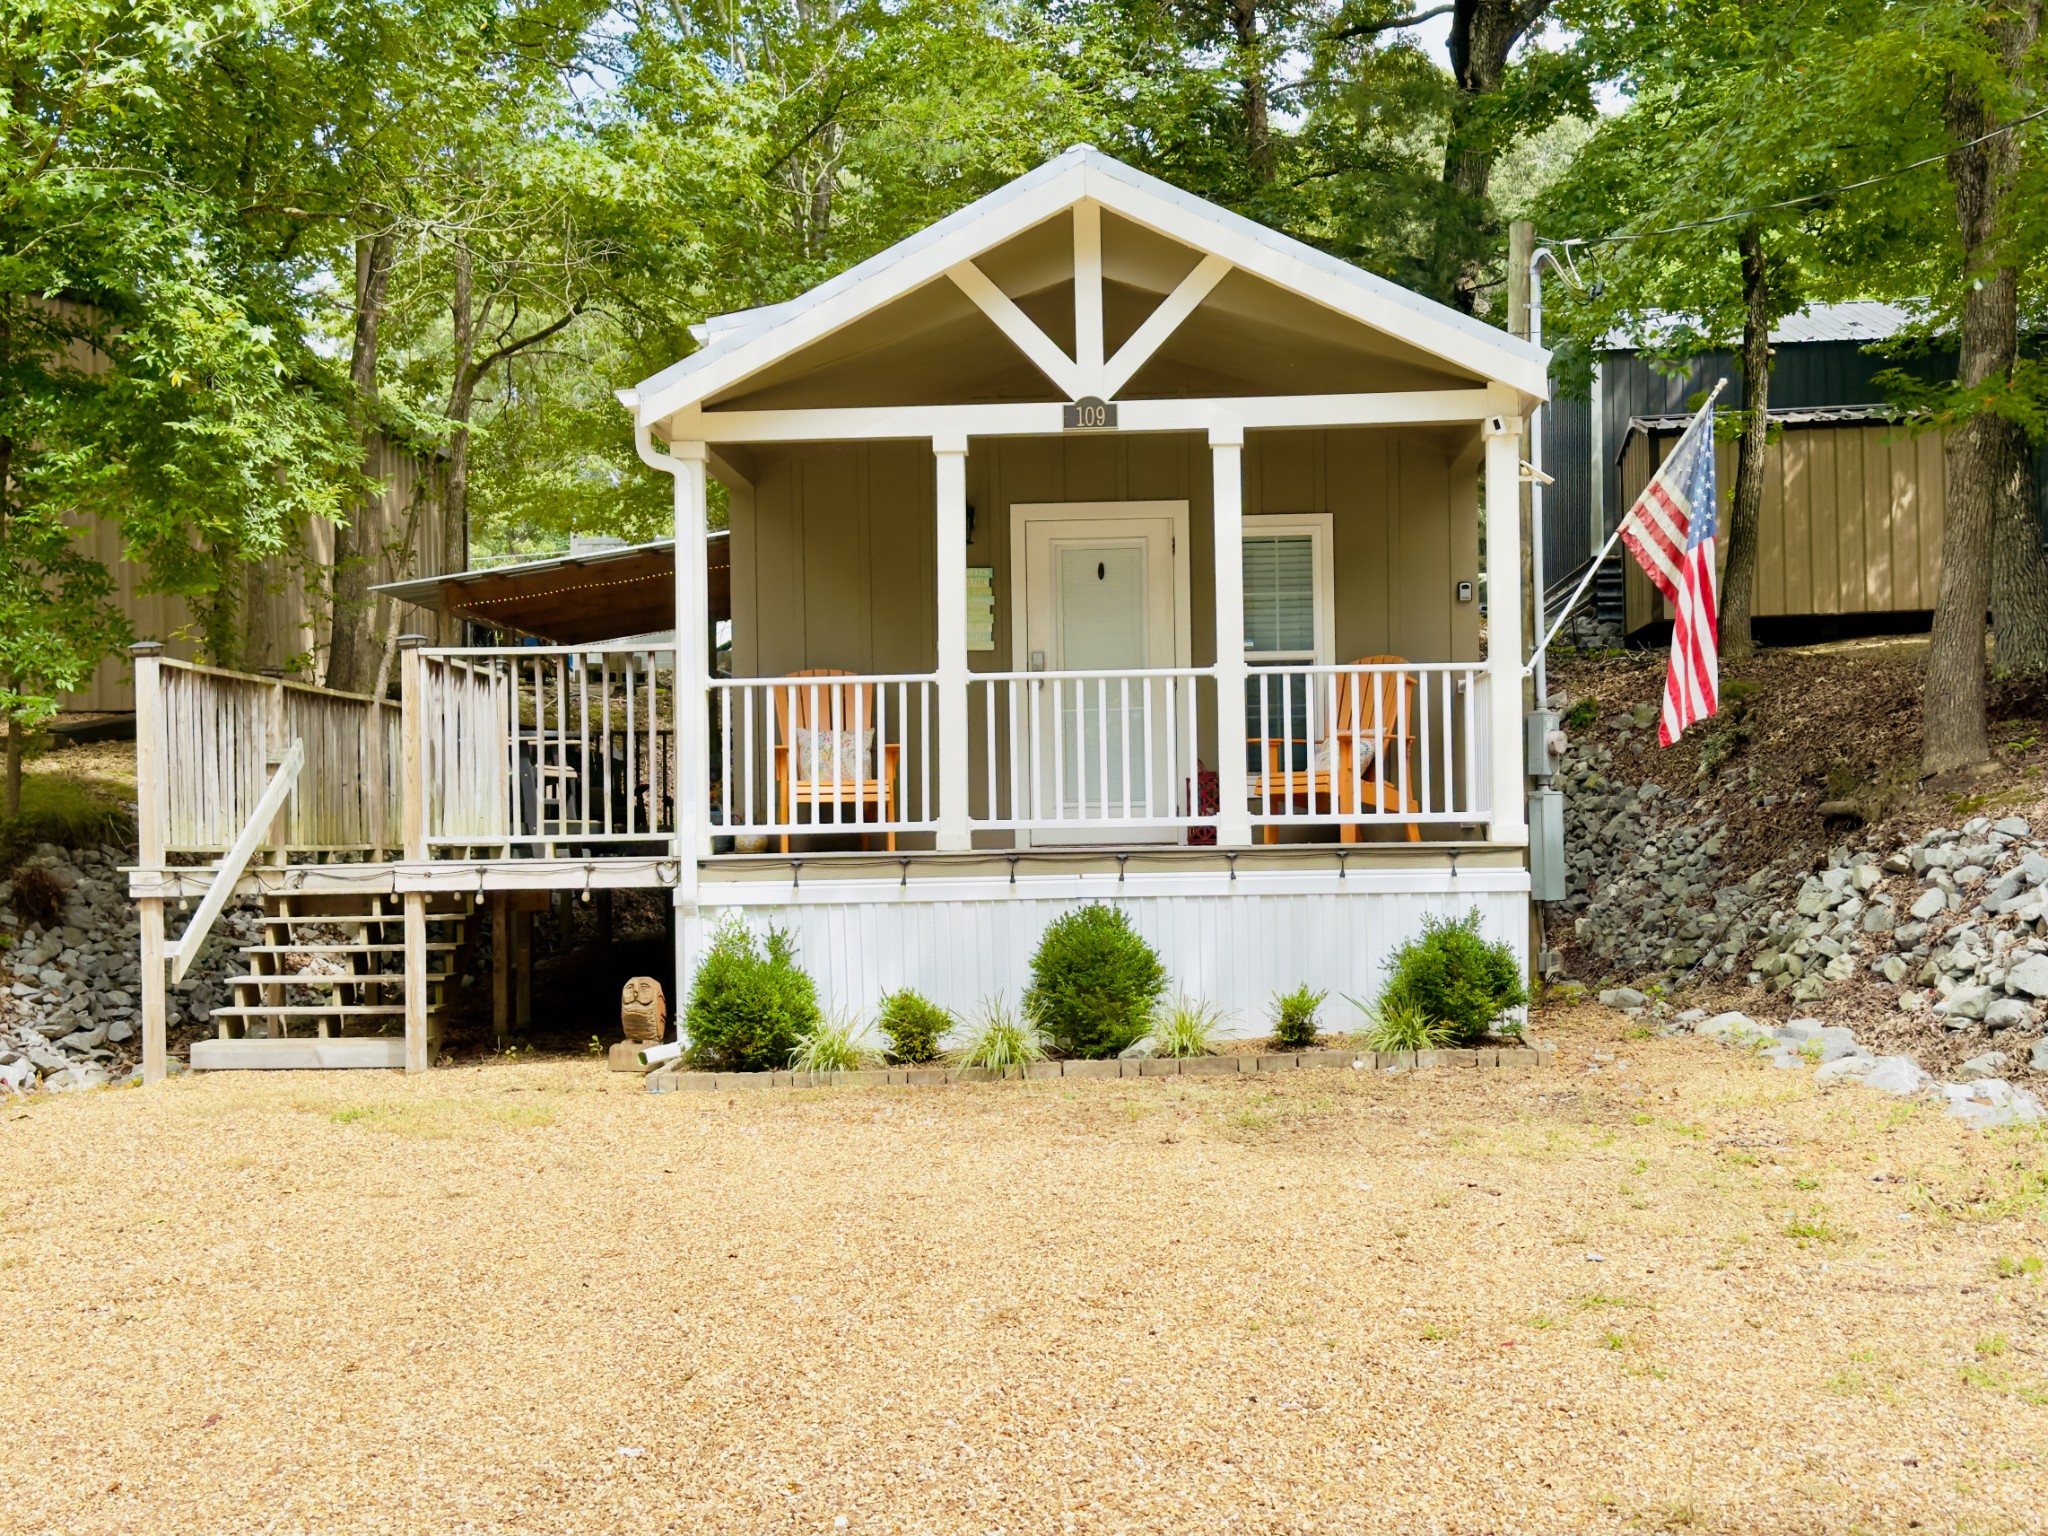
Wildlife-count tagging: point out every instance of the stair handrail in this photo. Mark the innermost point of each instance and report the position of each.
(228, 873)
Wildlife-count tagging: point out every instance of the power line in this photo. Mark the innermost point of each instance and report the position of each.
(1794, 202)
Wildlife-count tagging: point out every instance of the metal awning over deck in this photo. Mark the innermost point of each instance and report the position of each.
(577, 598)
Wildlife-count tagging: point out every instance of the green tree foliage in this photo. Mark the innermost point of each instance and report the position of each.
(1094, 982)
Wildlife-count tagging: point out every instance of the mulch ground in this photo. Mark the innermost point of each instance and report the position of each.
(1682, 1292)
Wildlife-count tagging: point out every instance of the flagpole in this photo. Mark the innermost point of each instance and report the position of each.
(1600, 559)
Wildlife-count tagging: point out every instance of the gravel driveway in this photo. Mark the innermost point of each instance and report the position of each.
(1683, 1292)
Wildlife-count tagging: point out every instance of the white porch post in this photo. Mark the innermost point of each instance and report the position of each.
(693, 668)
(1510, 818)
(950, 455)
(1226, 460)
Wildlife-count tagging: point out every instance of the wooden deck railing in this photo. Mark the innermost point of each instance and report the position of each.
(207, 741)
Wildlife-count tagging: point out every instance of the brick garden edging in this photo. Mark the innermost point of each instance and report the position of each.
(1541, 1054)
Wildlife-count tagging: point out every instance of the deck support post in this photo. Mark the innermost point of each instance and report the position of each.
(501, 971)
(155, 1047)
(416, 1057)
(1503, 726)
(522, 972)
(151, 813)
(1226, 459)
(950, 457)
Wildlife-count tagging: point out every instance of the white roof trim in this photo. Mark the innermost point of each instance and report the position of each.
(742, 344)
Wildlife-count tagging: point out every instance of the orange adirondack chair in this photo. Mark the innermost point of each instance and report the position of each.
(1384, 727)
(827, 707)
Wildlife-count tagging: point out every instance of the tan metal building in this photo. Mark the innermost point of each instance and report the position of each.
(1851, 519)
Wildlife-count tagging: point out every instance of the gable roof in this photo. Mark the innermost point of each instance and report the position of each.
(739, 345)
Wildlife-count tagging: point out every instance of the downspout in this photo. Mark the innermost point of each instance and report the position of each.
(687, 584)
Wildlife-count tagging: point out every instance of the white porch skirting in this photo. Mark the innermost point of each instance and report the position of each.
(1230, 943)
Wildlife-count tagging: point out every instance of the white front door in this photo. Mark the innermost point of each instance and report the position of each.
(1104, 596)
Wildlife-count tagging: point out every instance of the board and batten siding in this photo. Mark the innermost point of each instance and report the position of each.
(1233, 947)
(281, 619)
(833, 554)
(1851, 521)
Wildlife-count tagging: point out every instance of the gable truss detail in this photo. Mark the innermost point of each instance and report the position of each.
(1089, 374)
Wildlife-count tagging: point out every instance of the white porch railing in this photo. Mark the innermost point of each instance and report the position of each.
(824, 753)
(1380, 745)
(1085, 750)
(547, 751)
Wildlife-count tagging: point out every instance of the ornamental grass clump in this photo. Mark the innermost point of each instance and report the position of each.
(1453, 977)
(1399, 1025)
(1297, 1019)
(1185, 1027)
(836, 1043)
(913, 1025)
(751, 1005)
(1000, 1038)
(1094, 982)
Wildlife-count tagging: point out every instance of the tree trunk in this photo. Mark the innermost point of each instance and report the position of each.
(463, 381)
(351, 647)
(1483, 34)
(14, 732)
(1953, 731)
(1738, 576)
(2019, 569)
(1258, 126)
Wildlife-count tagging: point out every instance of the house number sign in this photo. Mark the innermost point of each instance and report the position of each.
(1089, 414)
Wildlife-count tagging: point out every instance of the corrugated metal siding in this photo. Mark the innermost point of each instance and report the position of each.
(282, 619)
(1231, 950)
(1567, 505)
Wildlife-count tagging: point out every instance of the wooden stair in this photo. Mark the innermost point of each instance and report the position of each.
(284, 1017)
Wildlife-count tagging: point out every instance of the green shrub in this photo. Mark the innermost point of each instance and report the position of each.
(999, 1038)
(1094, 982)
(914, 1025)
(836, 1044)
(1582, 715)
(1295, 1019)
(1185, 1027)
(751, 1003)
(1399, 1025)
(1454, 977)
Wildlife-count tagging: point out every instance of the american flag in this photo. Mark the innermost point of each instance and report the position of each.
(1670, 530)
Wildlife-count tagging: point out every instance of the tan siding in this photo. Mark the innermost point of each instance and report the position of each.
(284, 616)
(1850, 523)
(833, 559)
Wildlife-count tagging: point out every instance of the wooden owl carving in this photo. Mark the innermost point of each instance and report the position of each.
(643, 1010)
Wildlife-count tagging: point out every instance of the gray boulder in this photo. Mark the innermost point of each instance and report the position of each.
(1141, 1049)
(2008, 1013)
(1624, 998)
(1879, 918)
(1845, 1069)
(1965, 1003)
(2029, 976)
(2038, 1057)
(1932, 903)
(1990, 1064)
(1992, 1101)
(1898, 1075)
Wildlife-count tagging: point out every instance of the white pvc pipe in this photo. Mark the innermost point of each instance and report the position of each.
(655, 1055)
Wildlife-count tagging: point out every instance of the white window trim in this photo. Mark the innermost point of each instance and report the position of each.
(1318, 525)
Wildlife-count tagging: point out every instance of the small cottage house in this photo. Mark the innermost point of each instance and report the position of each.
(1093, 544)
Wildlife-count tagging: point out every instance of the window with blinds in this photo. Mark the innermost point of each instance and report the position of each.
(1280, 596)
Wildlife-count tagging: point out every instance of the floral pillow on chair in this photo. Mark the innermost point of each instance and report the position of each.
(834, 757)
